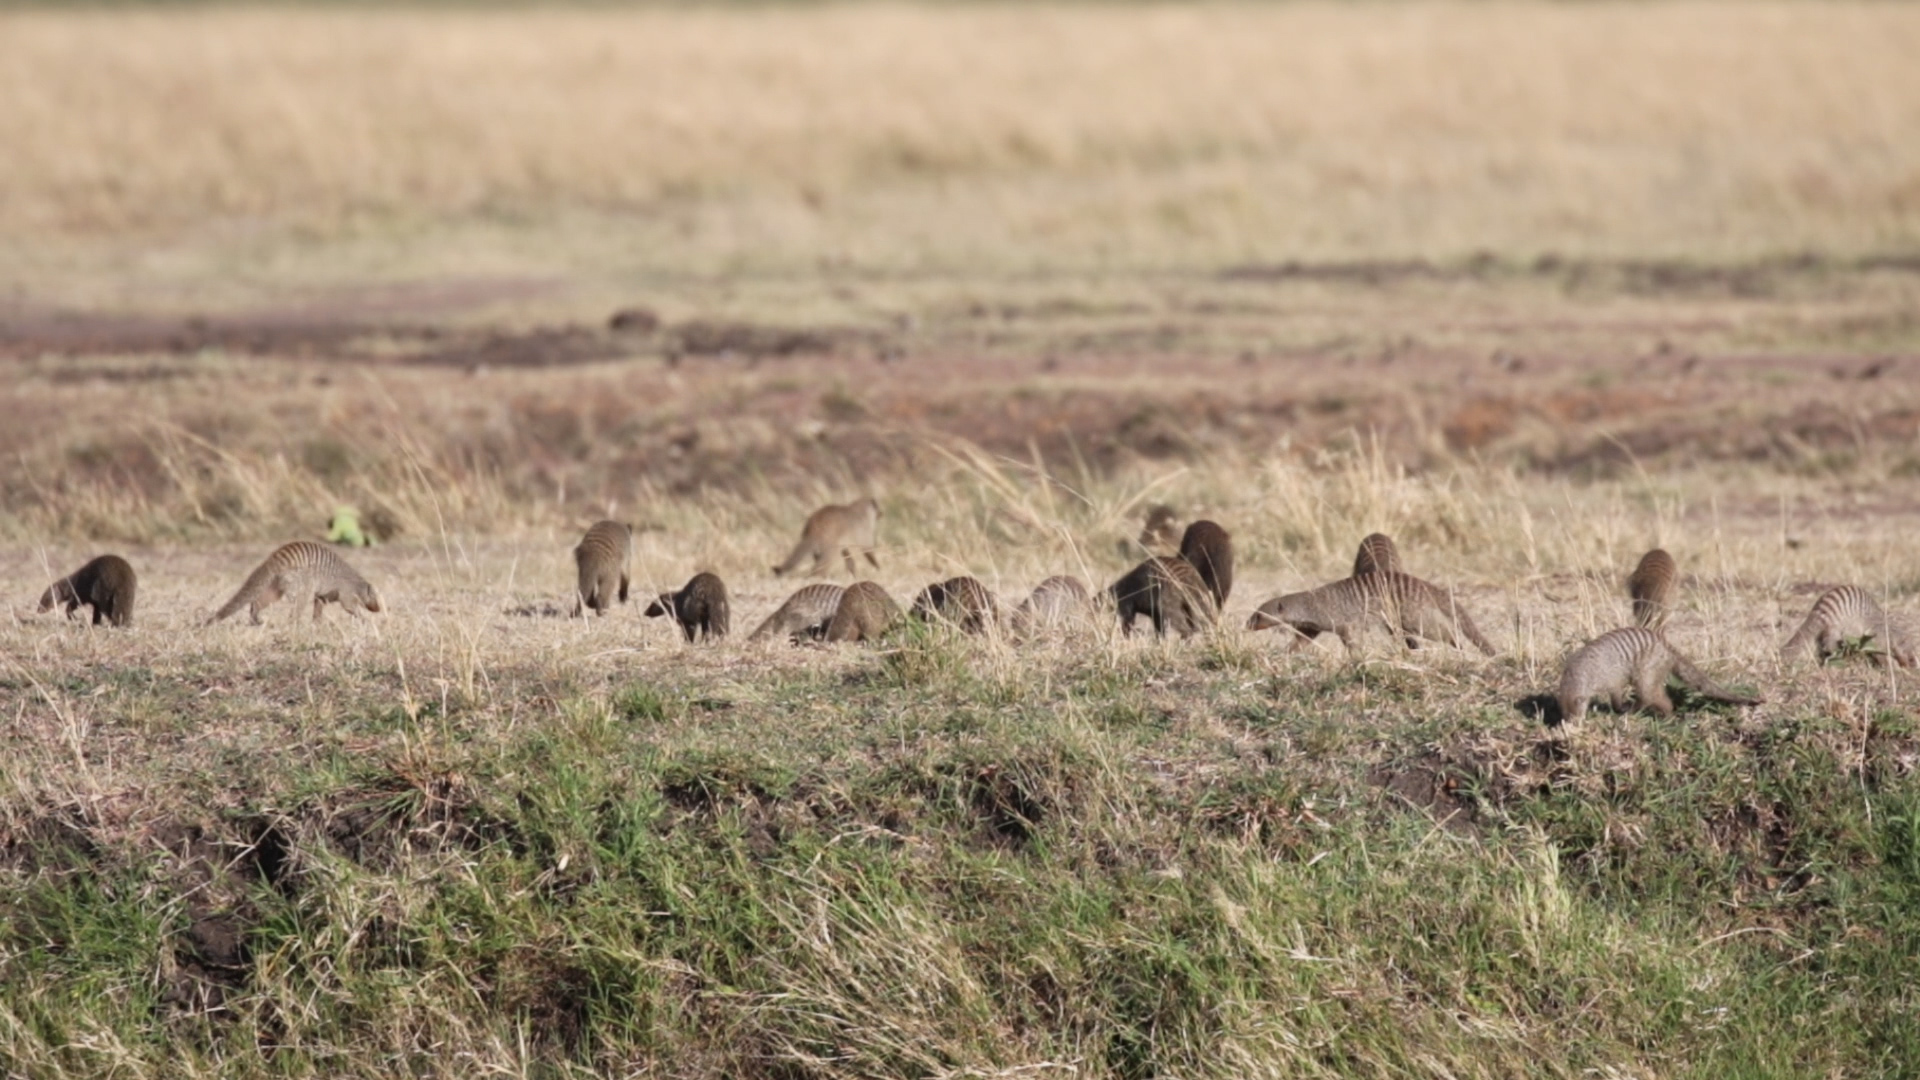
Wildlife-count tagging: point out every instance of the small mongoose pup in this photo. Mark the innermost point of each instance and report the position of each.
(1650, 586)
(1161, 528)
(1210, 549)
(602, 557)
(106, 584)
(1634, 659)
(302, 568)
(865, 613)
(1849, 613)
(962, 601)
(1054, 601)
(1377, 555)
(699, 608)
(805, 613)
(1167, 590)
(1411, 608)
(836, 530)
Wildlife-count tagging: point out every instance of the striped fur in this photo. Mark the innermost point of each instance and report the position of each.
(1054, 601)
(1210, 549)
(302, 568)
(1849, 613)
(1377, 555)
(830, 530)
(602, 557)
(962, 601)
(699, 608)
(1632, 662)
(1410, 608)
(864, 613)
(106, 584)
(806, 612)
(1651, 588)
(1167, 590)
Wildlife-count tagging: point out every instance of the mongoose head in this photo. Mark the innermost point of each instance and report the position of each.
(1284, 611)
(369, 599)
(663, 605)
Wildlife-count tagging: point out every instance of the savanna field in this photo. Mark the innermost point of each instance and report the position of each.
(1531, 287)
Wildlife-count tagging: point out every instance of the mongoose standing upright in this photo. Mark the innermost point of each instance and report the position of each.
(1167, 590)
(1053, 602)
(865, 613)
(1208, 547)
(1651, 588)
(962, 601)
(302, 568)
(1849, 613)
(1634, 659)
(1377, 555)
(1161, 526)
(1410, 608)
(602, 557)
(831, 530)
(700, 607)
(106, 584)
(806, 612)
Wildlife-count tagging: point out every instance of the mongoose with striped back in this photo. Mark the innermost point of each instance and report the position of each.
(1167, 590)
(106, 584)
(1849, 613)
(836, 530)
(699, 608)
(865, 613)
(1210, 549)
(300, 569)
(1650, 586)
(805, 613)
(1160, 528)
(961, 601)
(1054, 601)
(1637, 660)
(602, 557)
(1376, 555)
(1411, 608)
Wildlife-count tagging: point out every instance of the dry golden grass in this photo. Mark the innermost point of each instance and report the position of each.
(971, 136)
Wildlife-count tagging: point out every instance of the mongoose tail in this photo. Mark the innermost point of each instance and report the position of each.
(1650, 586)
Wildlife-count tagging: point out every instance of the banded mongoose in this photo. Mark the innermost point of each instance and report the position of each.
(602, 557)
(962, 601)
(1411, 609)
(1210, 549)
(1849, 613)
(1054, 601)
(831, 530)
(1651, 588)
(106, 584)
(1634, 659)
(805, 613)
(865, 613)
(1376, 555)
(699, 608)
(1167, 590)
(302, 568)
(1161, 526)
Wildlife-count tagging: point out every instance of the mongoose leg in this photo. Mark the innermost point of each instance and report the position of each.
(853, 568)
(871, 559)
(623, 586)
(1651, 688)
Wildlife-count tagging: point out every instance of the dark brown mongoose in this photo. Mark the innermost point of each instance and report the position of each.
(805, 613)
(1167, 590)
(865, 613)
(1162, 525)
(1376, 555)
(1650, 586)
(106, 584)
(836, 530)
(602, 557)
(1637, 660)
(699, 608)
(302, 568)
(1846, 613)
(962, 601)
(1210, 549)
(1053, 602)
(1411, 609)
